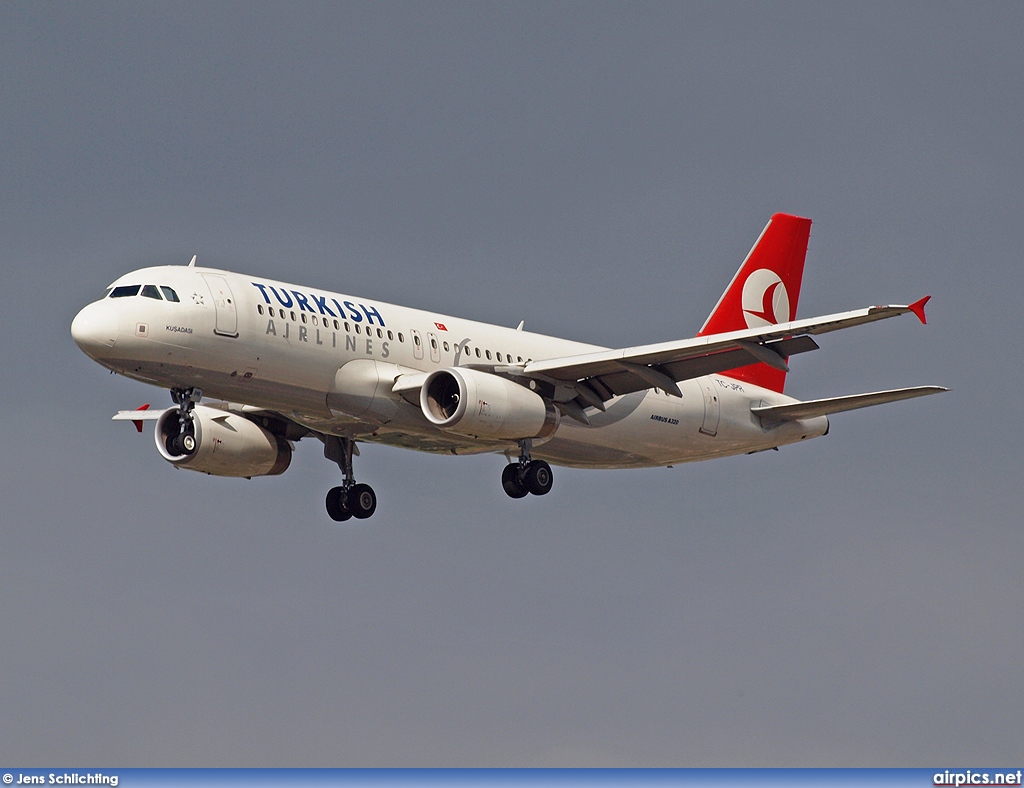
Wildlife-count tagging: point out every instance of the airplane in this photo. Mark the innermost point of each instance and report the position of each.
(284, 362)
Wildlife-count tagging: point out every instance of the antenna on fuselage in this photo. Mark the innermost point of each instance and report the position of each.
(193, 263)
(520, 326)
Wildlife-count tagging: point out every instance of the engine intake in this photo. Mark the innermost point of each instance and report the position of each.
(226, 444)
(481, 405)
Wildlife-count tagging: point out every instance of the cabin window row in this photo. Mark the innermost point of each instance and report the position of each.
(326, 322)
(501, 358)
(285, 314)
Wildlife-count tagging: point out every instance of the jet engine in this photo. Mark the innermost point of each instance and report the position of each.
(481, 405)
(222, 444)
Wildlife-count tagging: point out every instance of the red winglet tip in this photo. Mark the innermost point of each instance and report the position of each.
(138, 424)
(918, 308)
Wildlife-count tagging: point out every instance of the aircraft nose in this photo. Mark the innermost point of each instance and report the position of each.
(94, 329)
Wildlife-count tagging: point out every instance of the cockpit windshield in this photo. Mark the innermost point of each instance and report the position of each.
(146, 291)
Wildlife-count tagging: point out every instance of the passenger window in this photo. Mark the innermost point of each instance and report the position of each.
(416, 340)
(390, 335)
(169, 293)
(401, 337)
(478, 352)
(259, 308)
(433, 343)
(519, 359)
(446, 346)
(380, 334)
(303, 317)
(125, 291)
(337, 326)
(293, 315)
(315, 321)
(357, 329)
(497, 356)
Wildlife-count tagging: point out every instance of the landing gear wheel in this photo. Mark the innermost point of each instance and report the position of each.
(337, 505)
(183, 444)
(512, 481)
(362, 501)
(537, 477)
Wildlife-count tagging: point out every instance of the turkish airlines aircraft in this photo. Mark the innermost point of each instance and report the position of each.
(285, 362)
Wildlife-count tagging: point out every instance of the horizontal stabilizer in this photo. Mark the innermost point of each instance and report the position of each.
(822, 407)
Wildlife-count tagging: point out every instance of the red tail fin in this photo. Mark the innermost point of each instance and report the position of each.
(764, 291)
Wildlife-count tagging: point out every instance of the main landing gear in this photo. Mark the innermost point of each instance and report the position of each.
(526, 476)
(350, 499)
(185, 399)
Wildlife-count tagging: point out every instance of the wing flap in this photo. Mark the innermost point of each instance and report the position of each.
(623, 381)
(823, 407)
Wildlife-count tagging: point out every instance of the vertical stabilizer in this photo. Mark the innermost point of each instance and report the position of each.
(764, 291)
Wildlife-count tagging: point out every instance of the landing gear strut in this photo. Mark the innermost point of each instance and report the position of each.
(350, 499)
(185, 399)
(527, 476)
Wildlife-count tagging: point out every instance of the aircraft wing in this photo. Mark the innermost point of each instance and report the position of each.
(137, 416)
(142, 414)
(823, 407)
(596, 377)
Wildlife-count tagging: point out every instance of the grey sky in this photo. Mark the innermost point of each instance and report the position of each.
(598, 170)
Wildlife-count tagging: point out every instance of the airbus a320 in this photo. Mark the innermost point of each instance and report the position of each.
(255, 365)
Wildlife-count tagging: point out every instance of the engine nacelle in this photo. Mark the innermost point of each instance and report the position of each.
(481, 405)
(226, 444)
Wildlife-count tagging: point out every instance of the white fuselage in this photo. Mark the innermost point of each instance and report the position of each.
(291, 349)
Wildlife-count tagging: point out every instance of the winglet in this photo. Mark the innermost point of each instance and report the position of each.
(918, 308)
(138, 424)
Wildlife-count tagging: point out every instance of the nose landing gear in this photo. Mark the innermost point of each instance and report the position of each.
(527, 476)
(185, 399)
(350, 499)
